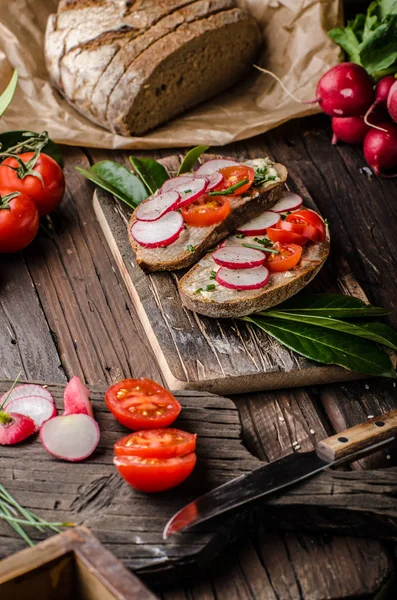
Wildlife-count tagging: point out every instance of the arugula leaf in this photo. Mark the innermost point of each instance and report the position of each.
(346, 39)
(190, 159)
(117, 180)
(151, 172)
(383, 334)
(379, 51)
(329, 347)
(12, 138)
(8, 93)
(330, 305)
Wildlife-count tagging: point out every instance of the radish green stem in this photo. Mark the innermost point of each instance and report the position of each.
(286, 90)
(10, 390)
(372, 124)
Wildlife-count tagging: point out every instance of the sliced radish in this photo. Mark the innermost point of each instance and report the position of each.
(25, 390)
(214, 179)
(288, 201)
(171, 184)
(76, 398)
(70, 437)
(258, 225)
(155, 234)
(189, 187)
(243, 279)
(211, 166)
(238, 257)
(18, 429)
(37, 408)
(156, 206)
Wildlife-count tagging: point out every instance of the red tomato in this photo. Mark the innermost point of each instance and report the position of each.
(312, 218)
(206, 210)
(155, 474)
(235, 174)
(287, 259)
(46, 194)
(156, 443)
(285, 237)
(19, 222)
(300, 227)
(142, 404)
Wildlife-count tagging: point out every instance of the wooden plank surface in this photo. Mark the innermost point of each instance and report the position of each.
(263, 566)
(219, 355)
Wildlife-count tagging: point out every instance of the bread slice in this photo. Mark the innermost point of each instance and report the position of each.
(223, 302)
(179, 255)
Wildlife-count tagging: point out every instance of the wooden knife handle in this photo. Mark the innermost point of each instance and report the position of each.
(358, 438)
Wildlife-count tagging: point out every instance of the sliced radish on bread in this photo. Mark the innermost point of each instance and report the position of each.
(243, 279)
(156, 206)
(258, 225)
(238, 257)
(189, 188)
(156, 234)
(288, 201)
(76, 398)
(39, 409)
(70, 437)
(211, 166)
(174, 182)
(214, 179)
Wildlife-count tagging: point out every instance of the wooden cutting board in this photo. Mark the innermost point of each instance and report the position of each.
(222, 356)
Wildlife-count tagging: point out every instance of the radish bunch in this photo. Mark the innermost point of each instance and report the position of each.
(29, 408)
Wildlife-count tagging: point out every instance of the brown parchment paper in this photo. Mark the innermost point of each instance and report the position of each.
(296, 48)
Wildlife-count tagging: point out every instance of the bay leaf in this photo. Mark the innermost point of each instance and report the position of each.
(151, 172)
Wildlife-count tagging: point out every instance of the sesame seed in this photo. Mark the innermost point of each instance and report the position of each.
(297, 447)
(295, 443)
(370, 416)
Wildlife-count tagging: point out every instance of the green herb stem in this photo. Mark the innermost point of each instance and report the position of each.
(229, 190)
(261, 248)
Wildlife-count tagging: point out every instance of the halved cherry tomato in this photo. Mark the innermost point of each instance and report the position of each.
(142, 404)
(206, 210)
(235, 174)
(155, 474)
(285, 237)
(156, 443)
(287, 259)
(300, 227)
(312, 218)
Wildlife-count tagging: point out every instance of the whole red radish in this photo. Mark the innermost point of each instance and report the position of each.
(380, 149)
(392, 101)
(346, 90)
(351, 130)
(77, 398)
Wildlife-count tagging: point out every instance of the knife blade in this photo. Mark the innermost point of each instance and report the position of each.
(344, 447)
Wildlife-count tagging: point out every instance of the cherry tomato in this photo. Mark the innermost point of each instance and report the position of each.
(155, 474)
(300, 227)
(19, 222)
(142, 404)
(285, 237)
(311, 217)
(235, 174)
(156, 443)
(46, 194)
(287, 259)
(206, 210)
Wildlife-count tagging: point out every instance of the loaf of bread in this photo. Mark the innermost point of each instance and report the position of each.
(132, 65)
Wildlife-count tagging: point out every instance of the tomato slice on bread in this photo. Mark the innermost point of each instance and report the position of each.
(300, 227)
(142, 404)
(155, 474)
(206, 210)
(285, 237)
(308, 217)
(156, 443)
(287, 259)
(235, 174)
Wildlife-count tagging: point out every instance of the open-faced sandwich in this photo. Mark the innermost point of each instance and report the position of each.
(261, 246)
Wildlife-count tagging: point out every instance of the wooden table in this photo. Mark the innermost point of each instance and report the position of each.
(64, 311)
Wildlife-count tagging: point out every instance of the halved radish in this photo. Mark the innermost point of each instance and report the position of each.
(214, 179)
(211, 166)
(76, 398)
(155, 207)
(288, 201)
(70, 437)
(17, 429)
(27, 389)
(160, 233)
(243, 279)
(258, 225)
(189, 187)
(238, 257)
(39, 409)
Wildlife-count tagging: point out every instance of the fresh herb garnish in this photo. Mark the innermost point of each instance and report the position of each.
(240, 235)
(262, 176)
(213, 275)
(186, 191)
(264, 241)
(261, 248)
(191, 248)
(229, 190)
(198, 290)
(210, 287)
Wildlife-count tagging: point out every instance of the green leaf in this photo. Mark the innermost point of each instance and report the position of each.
(387, 7)
(151, 172)
(190, 159)
(383, 334)
(379, 51)
(8, 93)
(11, 138)
(330, 305)
(357, 26)
(371, 19)
(117, 180)
(329, 347)
(346, 39)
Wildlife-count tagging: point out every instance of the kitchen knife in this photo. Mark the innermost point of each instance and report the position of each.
(347, 446)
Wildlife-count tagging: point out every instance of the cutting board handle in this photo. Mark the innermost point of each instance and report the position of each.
(358, 438)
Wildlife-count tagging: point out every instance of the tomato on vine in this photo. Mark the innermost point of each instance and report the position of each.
(19, 222)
